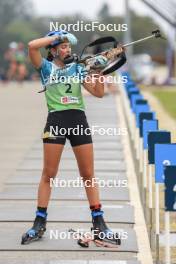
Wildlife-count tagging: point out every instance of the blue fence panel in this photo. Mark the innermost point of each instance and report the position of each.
(133, 99)
(154, 137)
(132, 91)
(148, 126)
(165, 154)
(170, 188)
(139, 108)
(145, 116)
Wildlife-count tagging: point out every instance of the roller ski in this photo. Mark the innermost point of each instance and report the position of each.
(83, 239)
(37, 230)
(100, 234)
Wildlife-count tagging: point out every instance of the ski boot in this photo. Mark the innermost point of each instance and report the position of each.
(101, 231)
(38, 229)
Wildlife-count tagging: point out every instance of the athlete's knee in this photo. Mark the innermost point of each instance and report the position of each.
(87, 175)
(49, 173)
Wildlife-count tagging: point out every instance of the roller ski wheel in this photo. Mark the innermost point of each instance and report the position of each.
(37, 231)
(83, 239)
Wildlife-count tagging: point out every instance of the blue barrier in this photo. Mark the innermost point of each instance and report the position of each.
(132, 91)
(127, 74)
(135, 97)
(139, 108)
(148, 126)
(165, 154)
(155, 137)
(170, 188)
(129, 86)
(145, 116)
(161, 153)
(140, 102)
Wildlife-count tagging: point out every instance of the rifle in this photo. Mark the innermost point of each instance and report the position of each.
(115, 60)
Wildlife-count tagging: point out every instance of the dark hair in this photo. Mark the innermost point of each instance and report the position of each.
(50, 56)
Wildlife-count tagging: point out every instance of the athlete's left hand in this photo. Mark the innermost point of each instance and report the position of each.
(102, 60)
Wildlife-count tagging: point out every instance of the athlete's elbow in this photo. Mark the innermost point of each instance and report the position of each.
(31, 45)
(100, 92)
(100, 95)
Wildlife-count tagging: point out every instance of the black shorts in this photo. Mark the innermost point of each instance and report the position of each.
(68, 124)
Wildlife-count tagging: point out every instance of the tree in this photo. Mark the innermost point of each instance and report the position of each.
(10, 10)
(104, 12)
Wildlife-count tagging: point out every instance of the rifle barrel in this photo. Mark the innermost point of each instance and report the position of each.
(138, 41)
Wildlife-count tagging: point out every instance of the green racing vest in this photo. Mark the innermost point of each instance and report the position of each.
(63, 85)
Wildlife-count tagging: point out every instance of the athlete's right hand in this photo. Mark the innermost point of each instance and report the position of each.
(68, 36)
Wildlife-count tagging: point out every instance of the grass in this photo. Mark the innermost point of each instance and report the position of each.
(168, 100)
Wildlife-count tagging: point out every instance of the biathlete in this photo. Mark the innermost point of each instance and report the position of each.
(65, 109)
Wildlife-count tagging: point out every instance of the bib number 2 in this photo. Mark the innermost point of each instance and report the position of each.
(68, 90)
